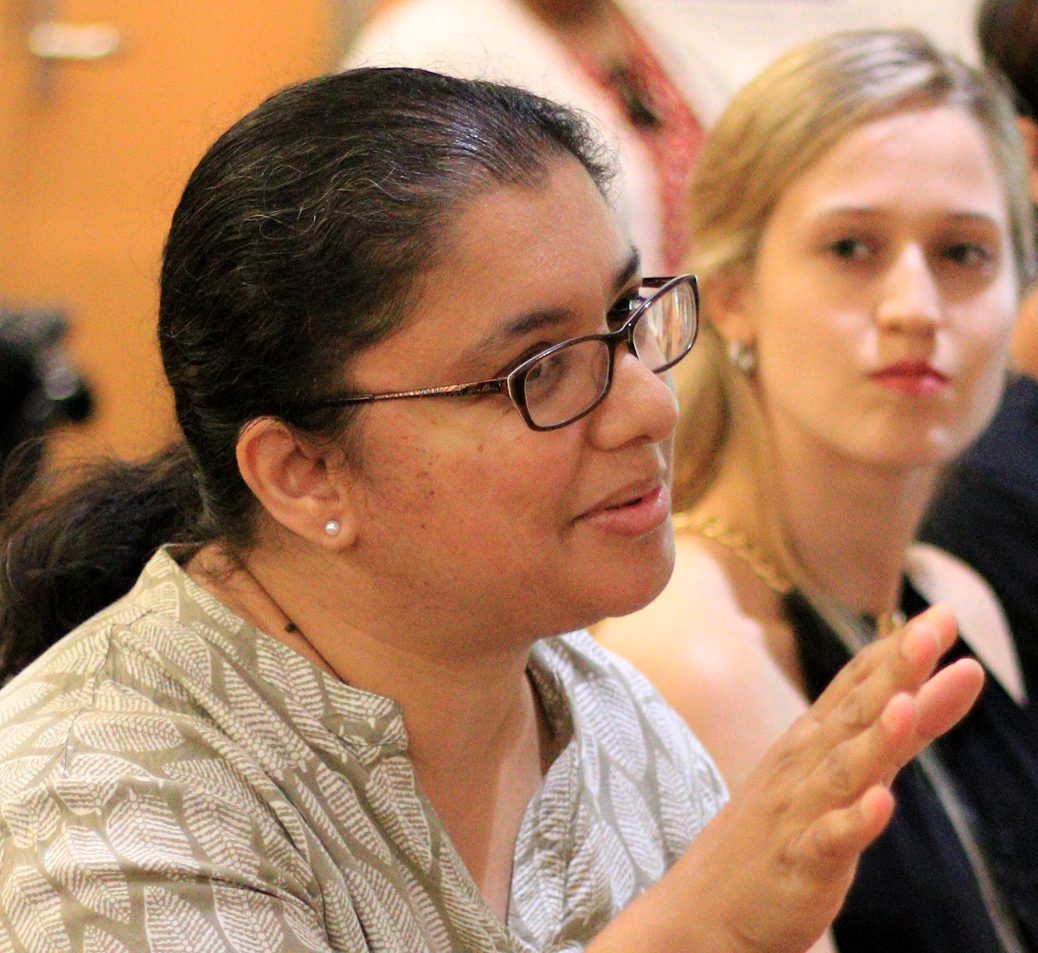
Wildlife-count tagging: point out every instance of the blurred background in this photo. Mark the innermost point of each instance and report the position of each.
(105, 106)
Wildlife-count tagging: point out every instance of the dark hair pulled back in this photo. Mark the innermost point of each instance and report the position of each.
(296, 245)
(1007, 31)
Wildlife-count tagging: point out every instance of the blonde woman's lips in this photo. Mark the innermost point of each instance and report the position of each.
(915, 378)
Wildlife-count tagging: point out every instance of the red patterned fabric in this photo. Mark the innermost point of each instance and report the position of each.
(666, 125)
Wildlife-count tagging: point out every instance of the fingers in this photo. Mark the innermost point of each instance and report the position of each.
(938, 704)
(839, 836)
(860, 804)
(943, 700)
(901, 662)
(860, 762)
(821, 795)
(876, 728)
(941, 622)
(853, 704)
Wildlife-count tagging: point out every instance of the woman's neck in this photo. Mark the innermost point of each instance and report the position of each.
(478, 738)
(851, 528)
(460, 706)
(847, 523)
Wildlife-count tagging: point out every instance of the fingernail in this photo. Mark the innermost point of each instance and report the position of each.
(919, 641)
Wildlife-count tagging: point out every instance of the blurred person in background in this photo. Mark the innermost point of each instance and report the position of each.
(986, 512)
(862, 227)
(422, 384)
(593, 55)
(39, 389)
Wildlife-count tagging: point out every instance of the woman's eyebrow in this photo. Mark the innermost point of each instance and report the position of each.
(630, 268)
(848, 211)
(980, 218)
(524, 324)
(878, 211)
(501, 337)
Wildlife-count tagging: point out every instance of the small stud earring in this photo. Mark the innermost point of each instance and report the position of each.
(743, 357)
(332, 527)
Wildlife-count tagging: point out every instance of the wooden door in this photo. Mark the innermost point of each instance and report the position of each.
(94, 153)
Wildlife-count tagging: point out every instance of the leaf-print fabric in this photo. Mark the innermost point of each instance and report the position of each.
(172, 779)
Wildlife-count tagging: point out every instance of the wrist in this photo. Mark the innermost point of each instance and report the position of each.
(678, 914)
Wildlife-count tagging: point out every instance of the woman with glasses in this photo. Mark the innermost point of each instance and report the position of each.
(427, 421)
(862, 232)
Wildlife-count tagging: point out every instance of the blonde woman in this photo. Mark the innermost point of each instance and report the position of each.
(862, 229)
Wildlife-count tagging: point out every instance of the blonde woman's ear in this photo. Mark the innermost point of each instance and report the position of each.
(727, 299)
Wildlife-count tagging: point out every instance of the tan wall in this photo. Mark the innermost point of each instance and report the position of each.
(92, 159)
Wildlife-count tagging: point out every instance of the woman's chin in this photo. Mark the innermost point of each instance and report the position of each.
(638, 587)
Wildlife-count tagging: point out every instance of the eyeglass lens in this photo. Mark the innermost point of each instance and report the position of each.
(563, 385)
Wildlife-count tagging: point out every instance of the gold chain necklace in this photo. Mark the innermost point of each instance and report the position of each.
(722, 533)
(743, 548)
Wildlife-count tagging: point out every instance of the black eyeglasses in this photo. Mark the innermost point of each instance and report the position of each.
(570, 379)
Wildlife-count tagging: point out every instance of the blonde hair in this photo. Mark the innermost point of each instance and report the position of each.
(772, 132)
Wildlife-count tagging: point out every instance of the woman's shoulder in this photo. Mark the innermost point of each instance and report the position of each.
(697, 625)
(710, 659)
(127, 694)
(88, 712)
(104, 732)
(110, 803)
(41, 704)
(941, 577)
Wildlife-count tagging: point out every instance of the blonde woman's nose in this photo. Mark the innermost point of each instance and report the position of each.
(910, 295)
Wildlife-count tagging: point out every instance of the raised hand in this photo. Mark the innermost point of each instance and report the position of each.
(770, 872)
(821, 794)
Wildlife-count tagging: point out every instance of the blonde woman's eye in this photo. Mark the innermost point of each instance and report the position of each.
(848, 249)
(970, 254)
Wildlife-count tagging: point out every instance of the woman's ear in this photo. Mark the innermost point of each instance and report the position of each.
(726, 299)
(297, 483)
(1029, 133)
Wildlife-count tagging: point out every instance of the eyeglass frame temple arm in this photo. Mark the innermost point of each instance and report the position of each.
(496, 385)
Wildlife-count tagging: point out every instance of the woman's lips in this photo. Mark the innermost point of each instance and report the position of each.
(635, 516)
(917, 378)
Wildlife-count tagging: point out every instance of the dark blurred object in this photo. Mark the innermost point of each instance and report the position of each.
(39, 389)
(1007, 31)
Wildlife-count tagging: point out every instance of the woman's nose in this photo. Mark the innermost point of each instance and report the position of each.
(910, 295)
(641, 405)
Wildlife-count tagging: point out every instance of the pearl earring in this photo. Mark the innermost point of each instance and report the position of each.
(743, 357)
(332, 527)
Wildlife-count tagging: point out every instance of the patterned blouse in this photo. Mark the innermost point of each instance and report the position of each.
(173, 779)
